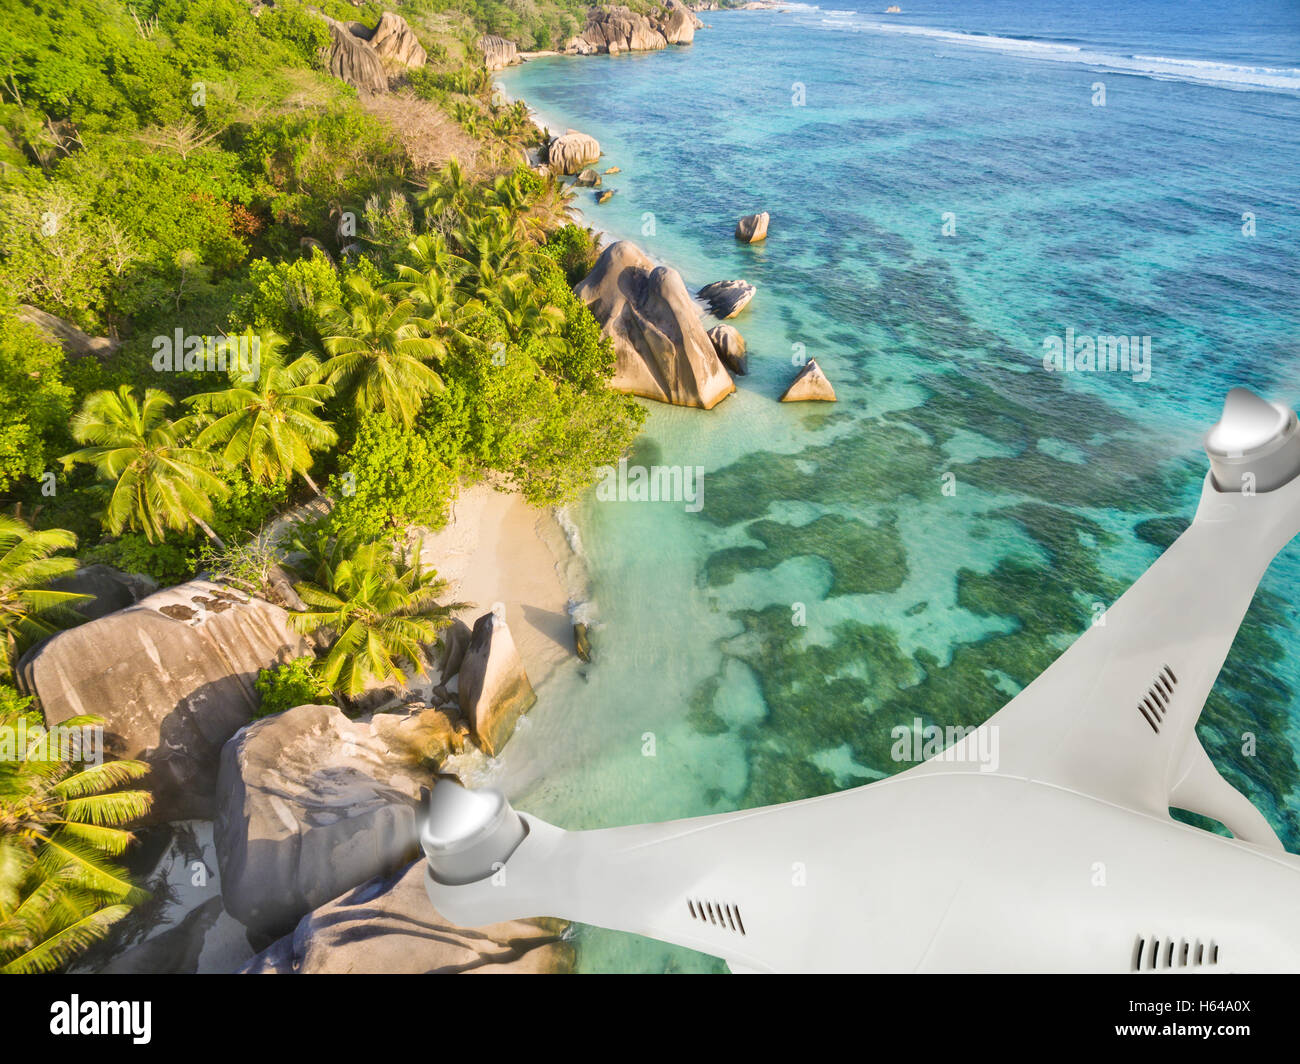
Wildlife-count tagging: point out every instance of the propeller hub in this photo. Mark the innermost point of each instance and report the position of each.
(1254, 446)
(468, 835)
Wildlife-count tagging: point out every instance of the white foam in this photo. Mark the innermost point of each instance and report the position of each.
(1196, 71)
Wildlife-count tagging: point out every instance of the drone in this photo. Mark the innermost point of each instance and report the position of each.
(1062, 857)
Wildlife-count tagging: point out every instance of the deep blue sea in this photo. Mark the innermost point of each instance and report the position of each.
(949, 187)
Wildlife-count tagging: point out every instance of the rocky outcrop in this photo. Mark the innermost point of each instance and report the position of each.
(75, 343)
(752, 228)
(394, 40)
(579, 46)
(108, 589)
(493, 689)
(617, 29)
(662, 349)
(172, 676)
(453, 642)
(730, 346)
(677, 24)
(311, 805)
(388, 926)
(352, 60)
(726, 299)
(605, 196)
(588, 179)
(498, 53)
(810, 384)
(572, 152)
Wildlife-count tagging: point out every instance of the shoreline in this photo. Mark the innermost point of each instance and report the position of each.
(496, 547)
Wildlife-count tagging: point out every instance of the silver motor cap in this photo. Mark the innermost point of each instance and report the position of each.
(1254, 445)
(467, 834)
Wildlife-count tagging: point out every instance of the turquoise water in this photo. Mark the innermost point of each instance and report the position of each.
(1123, 219)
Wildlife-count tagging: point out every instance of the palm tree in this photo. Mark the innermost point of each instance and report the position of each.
(379, 347)
(157, 481)
(269, 424)
(28, 609)
(61, 822)
(451, 191)
(378, 609)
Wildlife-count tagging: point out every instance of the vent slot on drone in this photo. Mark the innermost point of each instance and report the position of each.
(726, 917)
(1154, 707)
(1165, 954)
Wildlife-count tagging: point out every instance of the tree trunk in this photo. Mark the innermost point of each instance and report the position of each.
(310, 483)
(206, 528)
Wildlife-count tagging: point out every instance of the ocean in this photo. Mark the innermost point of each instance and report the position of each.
(950, 188)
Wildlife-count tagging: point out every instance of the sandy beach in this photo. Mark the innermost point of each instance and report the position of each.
(497, 548)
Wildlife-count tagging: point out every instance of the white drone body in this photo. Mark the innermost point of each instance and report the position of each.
(1061, 857)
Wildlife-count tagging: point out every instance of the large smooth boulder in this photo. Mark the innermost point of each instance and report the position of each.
(730, 346)
(172, 676)
(726, 299)
(662, 349)
(452, 644)
(498, 53)
(493, 690)
(394, 39)
(572, 152)
(617, 29)
(678, 24)
(588, 179)
(75, 343)
(109, 590)
(352, 60)
(388, 926)
(752, 228)
(310, 805)
(579, 46)
(810, 384)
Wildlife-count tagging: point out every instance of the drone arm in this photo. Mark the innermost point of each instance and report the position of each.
(1200, 789)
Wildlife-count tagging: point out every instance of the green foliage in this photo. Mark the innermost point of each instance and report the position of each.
(574, 248)
(391, 477)
(291, 24)
(165, 563)
(62, 821)
(284, 296)
(293, 683)
(35, 403)
(152, 481)
(29, 610)
(379, 608)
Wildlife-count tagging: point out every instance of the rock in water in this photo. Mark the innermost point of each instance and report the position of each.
(582, 642)
(613, 170)
(809, 384)
(494, 691)
(605, 196)
(752, 228)
(730, 346)
(662, 349)
(579, 46)
(726, 299)
(352, 60)
(572, 152)
(498, 53)
(172, 676)
(394, 39)
(678, 24)
(310, 804)
(588, 179)
(388, 926)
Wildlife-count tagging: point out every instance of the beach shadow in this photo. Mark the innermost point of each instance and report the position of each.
(553, 624)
